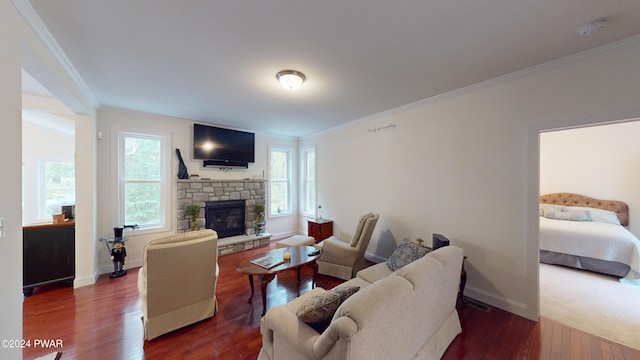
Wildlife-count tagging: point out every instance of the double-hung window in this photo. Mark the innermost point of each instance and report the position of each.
(58, 186)
(142, 180)
(308, 181)
(280, 181)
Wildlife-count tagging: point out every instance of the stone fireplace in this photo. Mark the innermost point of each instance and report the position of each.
(243, 194)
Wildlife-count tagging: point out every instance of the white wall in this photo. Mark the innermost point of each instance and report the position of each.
(110, 121)
(22, 48)
(599, 161)
(86, 208)
(465, 165)
(10, 163)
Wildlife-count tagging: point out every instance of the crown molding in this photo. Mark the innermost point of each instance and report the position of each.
(536, 69)
(35, 22)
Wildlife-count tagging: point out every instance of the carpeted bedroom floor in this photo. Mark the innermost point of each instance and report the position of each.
(591, 302)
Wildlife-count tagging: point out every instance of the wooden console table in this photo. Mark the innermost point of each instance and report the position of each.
(48, 255)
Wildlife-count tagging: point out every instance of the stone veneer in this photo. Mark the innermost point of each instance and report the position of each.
(200, 191)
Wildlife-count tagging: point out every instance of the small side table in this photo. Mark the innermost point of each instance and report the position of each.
(320, 229)
(463, 281)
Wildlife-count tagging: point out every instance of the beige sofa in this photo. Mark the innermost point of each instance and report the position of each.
(177, 282)
(406, 314)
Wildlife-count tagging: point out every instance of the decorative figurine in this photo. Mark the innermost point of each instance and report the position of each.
(118, 254)
(117, 251)
(182, 168)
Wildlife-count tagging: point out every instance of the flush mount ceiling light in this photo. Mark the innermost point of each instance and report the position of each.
(592, 26)
(291, 79)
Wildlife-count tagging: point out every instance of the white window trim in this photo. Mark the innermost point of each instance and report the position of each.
(303, 181)
(292, 186)
(118, 180)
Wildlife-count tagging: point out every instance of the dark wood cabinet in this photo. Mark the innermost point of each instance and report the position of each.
(320, 229)
(48, 255)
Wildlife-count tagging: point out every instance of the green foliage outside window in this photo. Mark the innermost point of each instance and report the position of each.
(142, 203)
(279, 195)
(142, 180)
(309, 199)
(59, 185)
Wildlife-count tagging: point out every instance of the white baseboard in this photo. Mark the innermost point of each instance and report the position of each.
(84, 281)
(512, 306)
(375, 258)
(283, 235)
(130, 264)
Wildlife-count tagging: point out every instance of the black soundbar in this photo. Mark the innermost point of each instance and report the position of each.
(225, 163)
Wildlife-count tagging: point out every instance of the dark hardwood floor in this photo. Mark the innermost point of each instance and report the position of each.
(103, 321)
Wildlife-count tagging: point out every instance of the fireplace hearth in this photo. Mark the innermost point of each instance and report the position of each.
(227, 218)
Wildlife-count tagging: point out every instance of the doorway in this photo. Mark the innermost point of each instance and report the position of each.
(602, 162)
(48, 149)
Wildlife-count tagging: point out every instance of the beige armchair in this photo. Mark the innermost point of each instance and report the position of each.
(343, 257)
(177, 282)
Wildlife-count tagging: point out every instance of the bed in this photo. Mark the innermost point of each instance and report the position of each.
(586, 233)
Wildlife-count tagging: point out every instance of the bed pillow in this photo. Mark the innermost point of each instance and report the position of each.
(599, 215)
(580, 215)
(551, 207)
(571, 215)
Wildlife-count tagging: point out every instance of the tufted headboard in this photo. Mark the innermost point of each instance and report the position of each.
(569, 199)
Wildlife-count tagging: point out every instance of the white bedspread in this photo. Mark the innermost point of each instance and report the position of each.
(596, 240)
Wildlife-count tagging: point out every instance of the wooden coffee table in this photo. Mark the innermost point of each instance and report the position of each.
(299, 258)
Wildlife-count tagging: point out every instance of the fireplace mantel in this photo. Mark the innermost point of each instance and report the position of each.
(205, 180)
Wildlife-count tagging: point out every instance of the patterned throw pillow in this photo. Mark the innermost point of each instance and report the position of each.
(318, 310)
(407, 252)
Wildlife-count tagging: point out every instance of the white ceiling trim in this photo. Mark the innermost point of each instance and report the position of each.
(35, 22)
(491, 82)
(536, 69)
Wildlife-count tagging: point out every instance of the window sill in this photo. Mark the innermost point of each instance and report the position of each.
(279, 215)
(145, 231)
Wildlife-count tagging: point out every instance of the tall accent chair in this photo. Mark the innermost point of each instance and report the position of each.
(177, 282)
(343, 256)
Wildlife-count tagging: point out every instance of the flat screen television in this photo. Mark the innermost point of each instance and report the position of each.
(214, 143)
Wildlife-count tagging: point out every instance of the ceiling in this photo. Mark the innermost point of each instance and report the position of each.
(215, 61)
